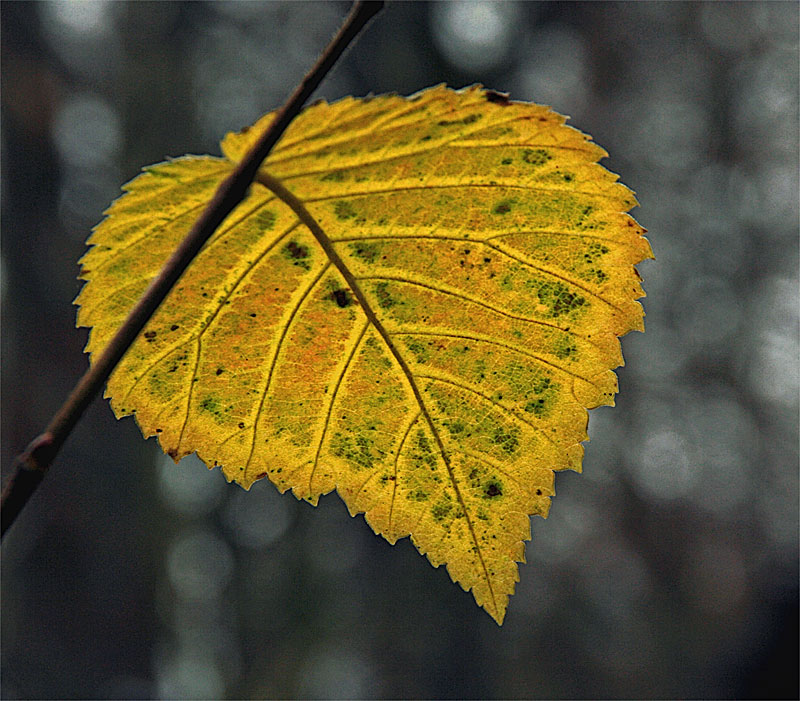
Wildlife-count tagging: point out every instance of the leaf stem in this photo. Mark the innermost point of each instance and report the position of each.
(31, 466)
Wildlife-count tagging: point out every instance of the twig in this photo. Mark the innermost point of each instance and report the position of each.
(31, 466)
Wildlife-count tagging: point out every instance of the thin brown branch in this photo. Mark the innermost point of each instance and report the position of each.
(31, 466)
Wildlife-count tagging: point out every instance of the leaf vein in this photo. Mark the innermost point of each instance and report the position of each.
(465, 298)
(428, 186)
(521, 351)
(491, 401)
(278, 188)
(333, 397)
(284, 332)
(348, 137)
(220, 304)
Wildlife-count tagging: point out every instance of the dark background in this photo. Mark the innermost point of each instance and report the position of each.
(668, 569)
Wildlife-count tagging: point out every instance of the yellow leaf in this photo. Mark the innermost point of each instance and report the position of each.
(419, 321)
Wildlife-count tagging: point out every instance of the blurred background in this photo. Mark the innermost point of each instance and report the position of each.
(668, 569)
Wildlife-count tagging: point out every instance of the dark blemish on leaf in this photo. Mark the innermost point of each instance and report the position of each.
(566, 350)
(174, 327)
(343, 210)
(241, 424)
(261, 475)
(210, 404)
(493, 490)
(539, 492)
(469, 119)
(368, 252)
(427, 137)
(297, 253)
(341, 297)
(149, 335)
(497, 98)
(503, 207)
(536, 157)
(159, 430)
(295, 250)
(535, 407)
(252, 314)
(173, 453)
(220, 371)
(507, 161)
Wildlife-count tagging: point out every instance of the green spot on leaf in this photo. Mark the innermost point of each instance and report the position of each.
(535, 156)
(343, 210)
(503, 207)
(507, 438)
(385, 300)
(368, 252)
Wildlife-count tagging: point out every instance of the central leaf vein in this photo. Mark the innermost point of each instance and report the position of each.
(305, 216)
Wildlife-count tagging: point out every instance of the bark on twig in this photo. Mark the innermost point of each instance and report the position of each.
(31, 466)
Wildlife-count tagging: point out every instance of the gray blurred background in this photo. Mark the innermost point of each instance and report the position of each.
(668, 569)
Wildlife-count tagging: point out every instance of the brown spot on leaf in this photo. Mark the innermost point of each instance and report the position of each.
(295, 250)
(493, 490)
(341, 297)
(498, 98)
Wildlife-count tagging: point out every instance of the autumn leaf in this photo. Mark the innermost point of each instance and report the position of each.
(415, 305)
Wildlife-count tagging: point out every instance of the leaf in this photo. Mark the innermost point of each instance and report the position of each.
(418, 321)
